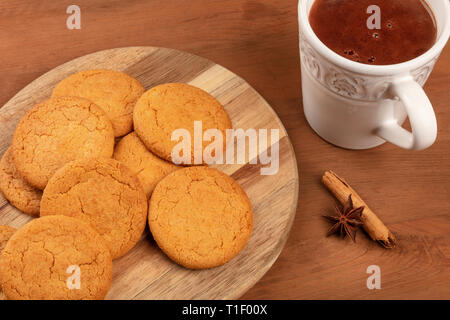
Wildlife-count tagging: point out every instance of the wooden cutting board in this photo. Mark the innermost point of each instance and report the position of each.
(145, 272)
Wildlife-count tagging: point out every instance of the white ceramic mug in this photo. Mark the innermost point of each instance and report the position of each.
(360, 106)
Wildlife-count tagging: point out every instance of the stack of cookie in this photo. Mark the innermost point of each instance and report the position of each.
(94, 196)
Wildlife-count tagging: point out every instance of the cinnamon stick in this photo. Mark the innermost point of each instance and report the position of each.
(374, 227)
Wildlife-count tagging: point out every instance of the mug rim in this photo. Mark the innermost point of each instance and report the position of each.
(374, 70)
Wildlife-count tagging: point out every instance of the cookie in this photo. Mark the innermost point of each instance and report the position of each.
(44, 259)
(16, 190)
(57, 131)
(113, 91)
(149, 168)
(200, 217)
(104, 193)
(168, 107)
(5, 233)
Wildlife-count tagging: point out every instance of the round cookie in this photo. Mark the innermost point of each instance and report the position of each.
(57, 131)
(168, 107)
(16, 190)
(149, 168)
(104, 193)
(113, 91)
(6, 232)
(42, 259)
(200, 217)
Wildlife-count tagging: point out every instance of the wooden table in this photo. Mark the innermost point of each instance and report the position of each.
(258, 40)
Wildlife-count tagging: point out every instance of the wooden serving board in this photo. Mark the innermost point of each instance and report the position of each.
(145, 272)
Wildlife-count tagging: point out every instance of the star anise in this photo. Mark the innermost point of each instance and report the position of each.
(347, 221)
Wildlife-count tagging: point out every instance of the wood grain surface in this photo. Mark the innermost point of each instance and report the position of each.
(258, 40)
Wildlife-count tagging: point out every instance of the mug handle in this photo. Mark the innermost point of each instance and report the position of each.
(421, 117)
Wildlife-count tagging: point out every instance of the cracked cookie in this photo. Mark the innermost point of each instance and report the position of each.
(6, 232)
(103, 192)
(167, 107)
(149, 168)
(16, 190)
(200, 217)
(43, 258)
(57, 131)
(113, 91)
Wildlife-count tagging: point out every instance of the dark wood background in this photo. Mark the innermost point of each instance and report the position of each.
(258, 40)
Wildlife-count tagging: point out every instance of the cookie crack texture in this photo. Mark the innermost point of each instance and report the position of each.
(20, 194)
(200, 217)
(58, 131)
(149, 168)
(6, 232)
(104, 193)
(34, 263)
